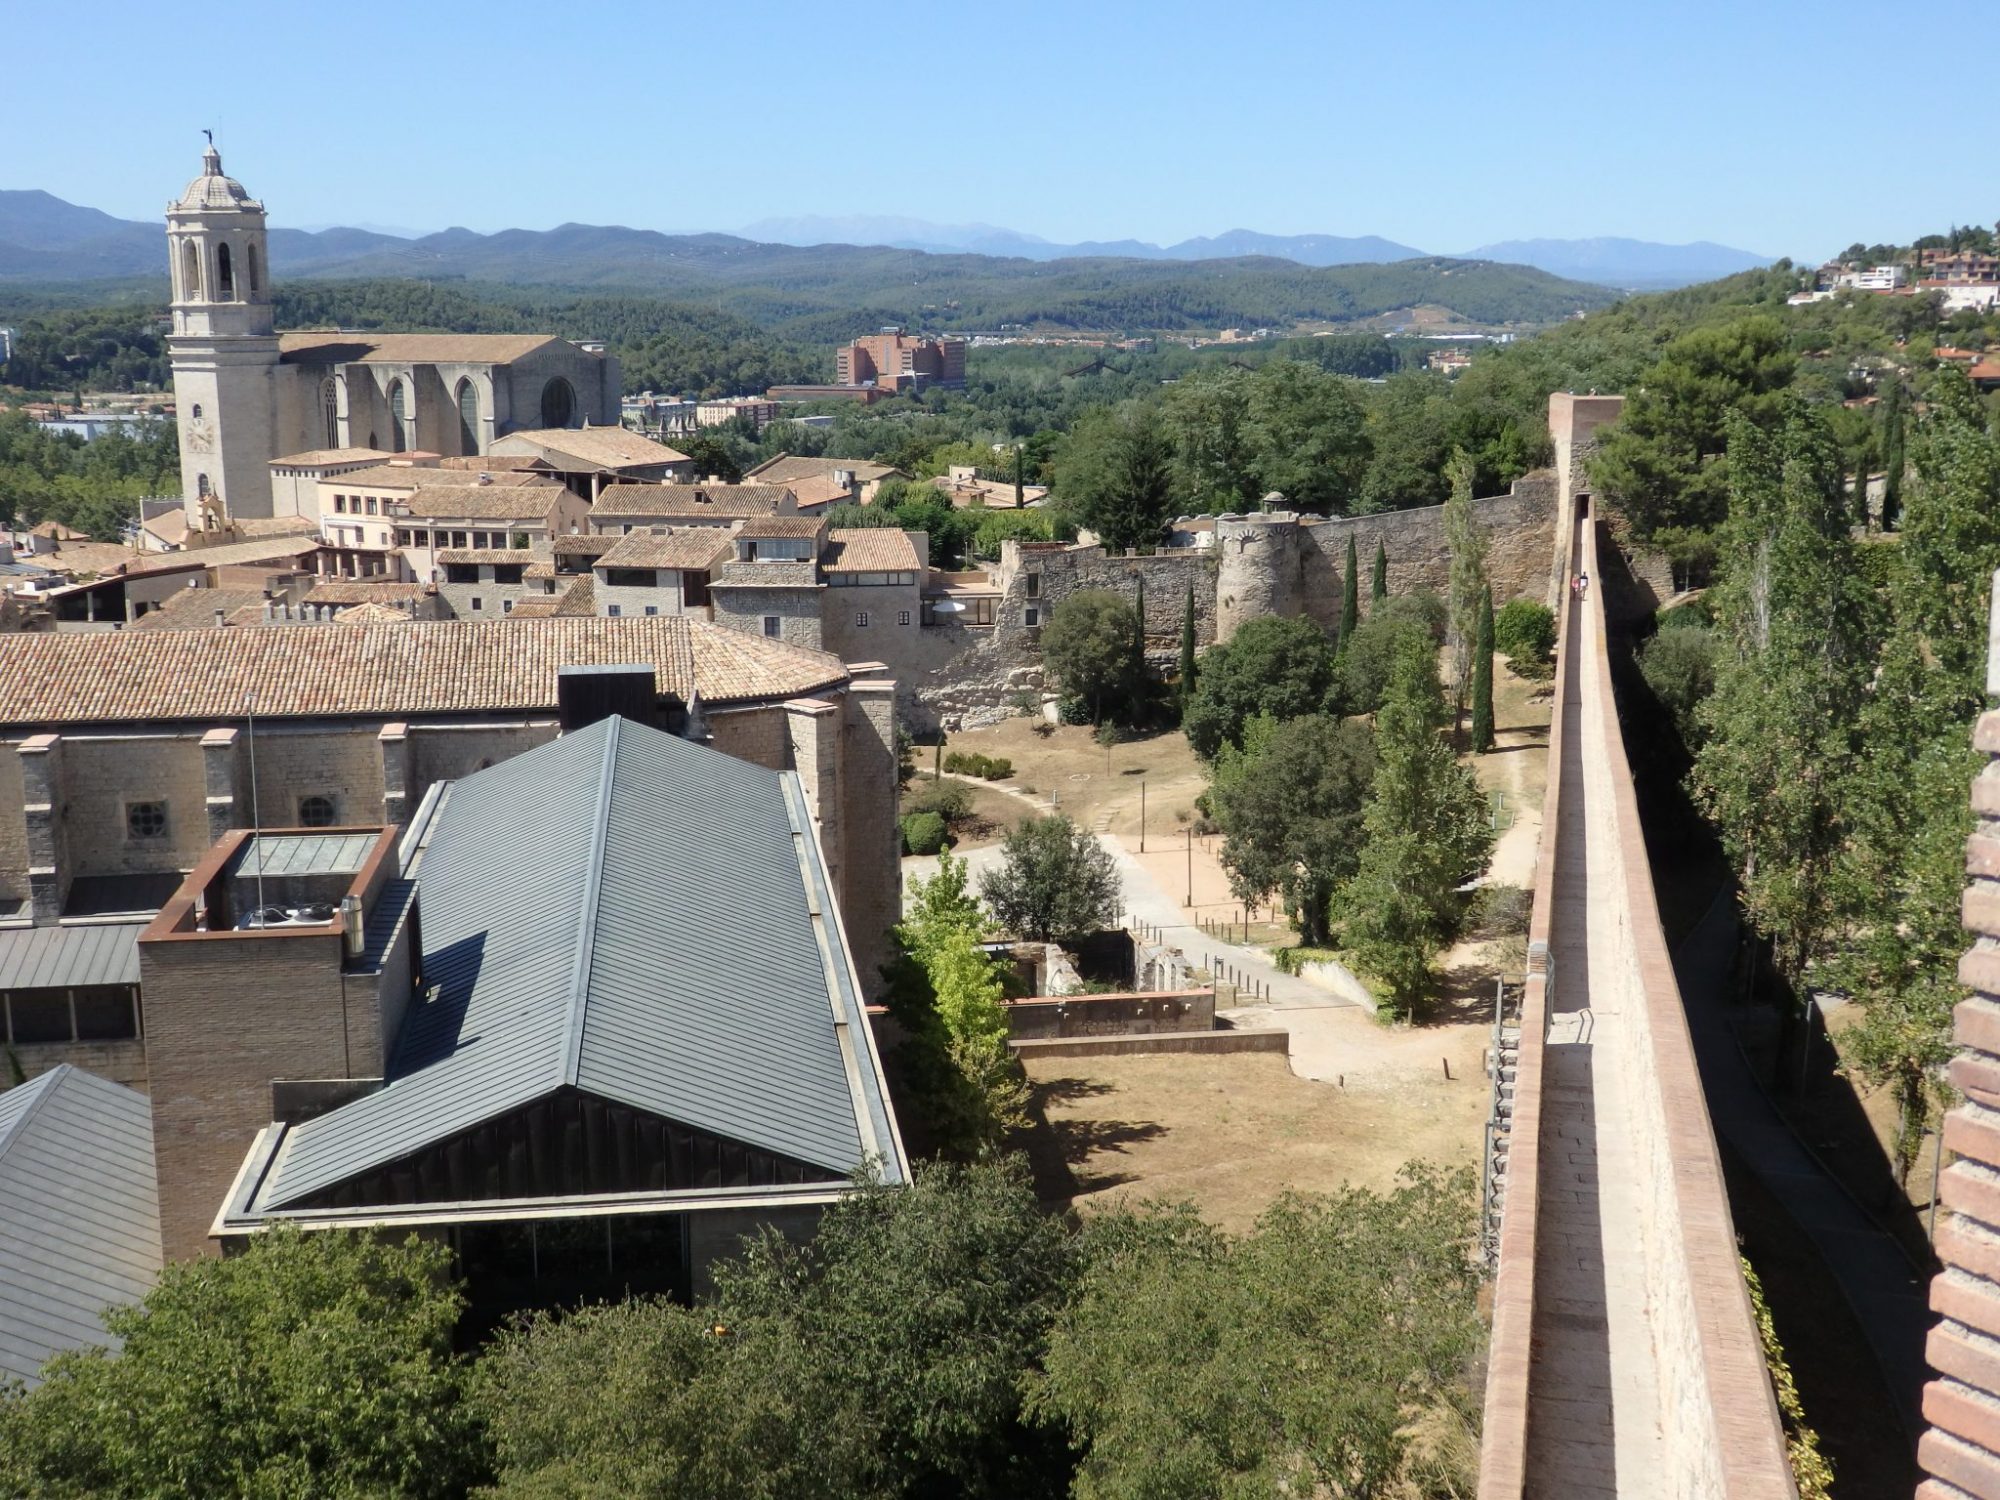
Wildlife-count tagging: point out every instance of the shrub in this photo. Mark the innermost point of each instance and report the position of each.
(1366, 659)
(1695, 614)
(1679, 666)
(986, 767)
(947, 799)
(1524, 631)
(1073, 711)
(1501, 910)
(923, 833)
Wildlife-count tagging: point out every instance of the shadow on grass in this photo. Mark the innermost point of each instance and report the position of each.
(1061, 1152)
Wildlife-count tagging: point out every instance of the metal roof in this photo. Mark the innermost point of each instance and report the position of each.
(638, 917)
(54, 958)
(81, 1230)
(304, 853)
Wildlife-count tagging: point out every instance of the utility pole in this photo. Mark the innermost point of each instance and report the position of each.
(1142, 815)
(1190, 869)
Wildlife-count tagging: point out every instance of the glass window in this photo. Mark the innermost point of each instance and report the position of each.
(1032, 616)
(146, 820)
(613, 610)
(371, 505)
(902, 617)
(506, 606)
(771, 625)
(558, 403)
(340, 505)
(458, 539)
(652, 609)
(329, 404)
(316, 811)
(861, 618)
(477, 605)
(1034, 585)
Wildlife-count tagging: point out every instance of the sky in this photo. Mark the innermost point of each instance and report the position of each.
(1441, 124)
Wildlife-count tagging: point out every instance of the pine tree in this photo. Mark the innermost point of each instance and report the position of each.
(1187, 650)
(1379, 589)
(1482, 680)
(1350, 594)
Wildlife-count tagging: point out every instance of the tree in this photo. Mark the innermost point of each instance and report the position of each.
(1114, 474)
(1467, 586)
(1678, 664)
(1291, 813)
(1797, 622)
(1277, 665)
(1665, 462)
(1310, 435)
(1482, 679)
(1215, 464)
(1087, 646)
(1525, 631)
(1055, 881)
(1187, 651)
(1020, 493)
(1350, 594)
(881, 1359)
(1378, 587)
(1894, 459)
(1288, 1361)
(1368, 661)
(1426, 834)
(1137, 682)
(309, 1365)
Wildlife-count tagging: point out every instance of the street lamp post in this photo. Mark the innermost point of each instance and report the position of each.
(1142, 815)
(1190, 869)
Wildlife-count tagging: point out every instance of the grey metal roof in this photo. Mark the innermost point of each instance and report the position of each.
(635, 916)
(81, 1227)
(305, 853)
(53, 958)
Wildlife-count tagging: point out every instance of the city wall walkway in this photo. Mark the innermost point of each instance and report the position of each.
(1625, 1360)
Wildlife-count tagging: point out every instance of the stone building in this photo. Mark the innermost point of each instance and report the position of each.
(246, 394)
(126, 757)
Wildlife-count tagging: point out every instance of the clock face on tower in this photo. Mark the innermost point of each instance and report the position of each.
(201, 435)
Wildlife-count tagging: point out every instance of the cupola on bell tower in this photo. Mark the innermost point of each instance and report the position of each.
(223, 347)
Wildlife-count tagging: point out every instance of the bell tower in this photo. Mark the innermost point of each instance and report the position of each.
(223, 347)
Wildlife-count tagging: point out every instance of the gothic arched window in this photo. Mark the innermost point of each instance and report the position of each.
(250, 264)
(201, 486)
(399, 418)
(329, 405)
(558, 403)
(468, 417)
(190, 272)
(225, 279)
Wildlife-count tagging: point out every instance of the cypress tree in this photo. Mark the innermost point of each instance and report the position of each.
(1350, 594)
(1482, 679)
(1019, 493)
(1892, 456)
(1187, 650)
(1380, 589)
(1139, 648)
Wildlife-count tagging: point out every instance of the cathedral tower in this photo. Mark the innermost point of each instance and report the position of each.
(224, 352)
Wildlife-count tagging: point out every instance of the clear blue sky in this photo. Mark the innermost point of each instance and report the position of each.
(1439, 123)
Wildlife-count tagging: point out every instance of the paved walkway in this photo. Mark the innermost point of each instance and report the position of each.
(1889, 1298)
(1595, 1419)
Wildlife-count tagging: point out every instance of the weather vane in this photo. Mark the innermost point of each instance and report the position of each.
(211, 136)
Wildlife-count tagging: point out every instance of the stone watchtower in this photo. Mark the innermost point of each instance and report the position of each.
(224, 351)
(1257, 568)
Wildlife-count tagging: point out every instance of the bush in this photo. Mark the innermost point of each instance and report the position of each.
(1524, 631)
(1679, 666)
(1695, 614)
(1073, 711)
(1501, 910)
(947, 799)
(986, 767)
(923, 833)
(1368, 655)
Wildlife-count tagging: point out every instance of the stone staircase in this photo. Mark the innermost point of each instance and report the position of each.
(1502, 1062)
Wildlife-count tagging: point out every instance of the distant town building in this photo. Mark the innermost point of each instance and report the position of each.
(759, 412)
(892, 360)
(819, 482)
(1959, 266)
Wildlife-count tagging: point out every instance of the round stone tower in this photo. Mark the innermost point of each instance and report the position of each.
(1257, 568)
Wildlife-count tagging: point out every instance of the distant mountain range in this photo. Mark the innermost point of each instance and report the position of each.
(1615, 262)
(43, 238)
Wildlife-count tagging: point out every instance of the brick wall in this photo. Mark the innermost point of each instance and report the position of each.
(214, 1042)
(13, 827)
(102, 774)
(121, 1062)
(1961, 1451)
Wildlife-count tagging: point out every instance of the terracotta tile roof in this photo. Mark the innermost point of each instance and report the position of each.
(534, 607)
(582, 546)
(320, 458)
(409, 348)
(766, 575)
(694, 547)
(816, 491)
(363, 591)
(479, 501)
(373, 614)
(633, 502)
(785, 468)
(386, 477)
(540, 569)
(383, 671)
(598, 447)
(230, 554)
(580, 599)
(496, 463)
(194, 609)
(780, 527)
(169, 526)
(869, 550)
(518, 557)
(248, 528)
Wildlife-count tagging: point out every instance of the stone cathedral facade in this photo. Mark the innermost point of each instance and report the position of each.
(246, 394)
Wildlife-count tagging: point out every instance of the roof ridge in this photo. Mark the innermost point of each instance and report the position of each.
(47, 1084)
(593, 886)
